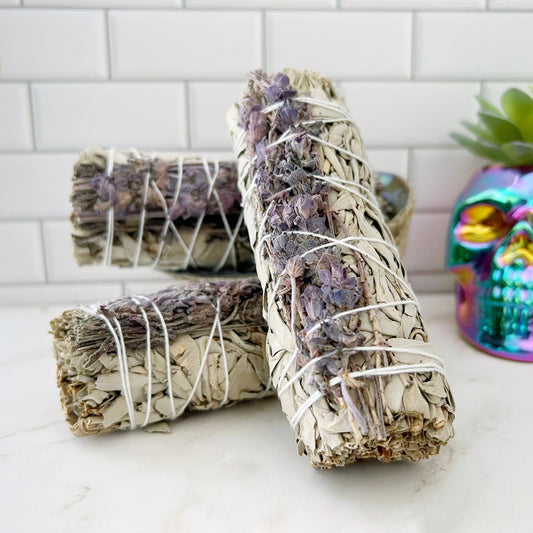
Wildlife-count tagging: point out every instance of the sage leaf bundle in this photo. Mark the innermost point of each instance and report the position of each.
(142, 360)
(175, 213)
(162, 210)
(348, 352)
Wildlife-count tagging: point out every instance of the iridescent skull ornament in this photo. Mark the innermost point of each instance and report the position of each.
(490, 254)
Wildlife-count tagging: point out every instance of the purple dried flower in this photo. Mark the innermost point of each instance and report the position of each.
(104, 187)
(279, 89)
(306, 206)
(295, 267)
(285, 175)
(287, 116)
(257, 123)
(313, 303)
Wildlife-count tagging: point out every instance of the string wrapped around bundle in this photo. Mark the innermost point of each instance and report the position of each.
(348, 352)
(162, 210)
(178, 213)
(142, 360)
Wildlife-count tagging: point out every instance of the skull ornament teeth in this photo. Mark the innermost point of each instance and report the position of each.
(490, 253)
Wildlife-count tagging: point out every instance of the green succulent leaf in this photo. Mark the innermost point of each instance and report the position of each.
(487, 106)
(478, 131)
(521, 153)
(504, 136)
(518, 106)
(483, 149)
(502, 130)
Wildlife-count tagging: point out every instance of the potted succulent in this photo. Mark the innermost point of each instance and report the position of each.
(490, 248)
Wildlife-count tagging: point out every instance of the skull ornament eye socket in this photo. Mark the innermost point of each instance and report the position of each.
(480, 225)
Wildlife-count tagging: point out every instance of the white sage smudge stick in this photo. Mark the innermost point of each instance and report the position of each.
(163, 210)
(142, 360)
(190, 211)
(348, 351)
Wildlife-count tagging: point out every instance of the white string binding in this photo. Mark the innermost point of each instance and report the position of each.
(200, 219)
(345, 242)
(148, 361)
(319, 324)
(166, 343)
(110, 212)
(121, 356)
(232, 234)
(231, 244)
(147, 179)
(203, 361)
(118, 337)
(224, 355)
(384, 371)
(168, 222)
(129, 396)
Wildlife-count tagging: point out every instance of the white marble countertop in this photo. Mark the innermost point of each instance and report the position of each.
(237, 469)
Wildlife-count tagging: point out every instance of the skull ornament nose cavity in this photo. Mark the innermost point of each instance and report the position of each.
(517, 249)
(490, 253)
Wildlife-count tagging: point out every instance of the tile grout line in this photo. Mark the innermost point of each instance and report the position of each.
(43, 251)
(263, 40)
(116, 282)
(91, 281)
(482, 88)
(410, 177)
(414, 42)
(168, 81)
(32, 117)
(59, 283)
(188, 113)
(452, 10)
(73, 151)
(108, 43)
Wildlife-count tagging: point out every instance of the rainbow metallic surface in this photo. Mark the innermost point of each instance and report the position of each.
(490, 253)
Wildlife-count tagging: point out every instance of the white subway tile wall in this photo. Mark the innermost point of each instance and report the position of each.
(413, 4)
(160, 74)
(208, 103)
(22, 254)
(42, 177)
(347, 45)
(410, 113)
(264, 4)
(511, 4)
(15, 123)
(473, 45)
(53, 44)
(422, 255)
(439, 176)
(105, 3)
(71, 116)
(184, 44)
